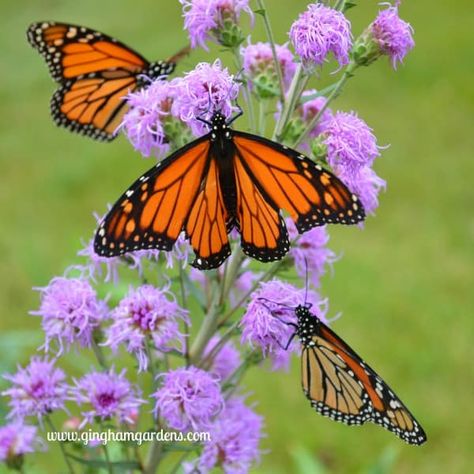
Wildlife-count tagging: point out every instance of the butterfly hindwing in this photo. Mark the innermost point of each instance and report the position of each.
(206, 225)
(263, 231)
(311, 195)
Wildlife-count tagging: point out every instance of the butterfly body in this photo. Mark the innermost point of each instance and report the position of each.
(95, 73)
(341, 386)
(223, 180)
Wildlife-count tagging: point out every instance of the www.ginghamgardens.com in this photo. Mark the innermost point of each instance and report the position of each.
(138, 437)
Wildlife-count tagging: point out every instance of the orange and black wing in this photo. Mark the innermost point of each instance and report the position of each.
(180, 193)
(73, 51)
(292, 182)
(262, 229)
(95, 73)
(206, 225)
(342, 386)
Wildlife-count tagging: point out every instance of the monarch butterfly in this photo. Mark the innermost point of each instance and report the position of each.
(341, 386)
(222, 180)
(95, 73)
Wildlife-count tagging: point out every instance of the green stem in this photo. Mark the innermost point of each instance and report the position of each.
(107, 457)
(261, 116)
(208, 326)
(271, 40)
(292, 99)
(335, 92)
(185, 323)
(247, 91)
(63, 450)
(340, 4)
(231, 273)
(99, 355)
(176, 467)
(266, 276)
(154, 458)
(151, 359)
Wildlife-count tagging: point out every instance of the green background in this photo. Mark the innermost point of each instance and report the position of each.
(404, 284)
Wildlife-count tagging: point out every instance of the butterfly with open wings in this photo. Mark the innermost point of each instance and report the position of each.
(223, 180)
(95, 73)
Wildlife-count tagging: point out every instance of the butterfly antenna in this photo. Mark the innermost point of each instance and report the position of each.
(306, 278)
(274, 302)
(179, 55)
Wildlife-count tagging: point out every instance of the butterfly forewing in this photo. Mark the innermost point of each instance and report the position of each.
(153, 211)
(292, 182)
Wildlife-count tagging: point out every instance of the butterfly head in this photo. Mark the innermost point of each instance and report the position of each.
(219, 127)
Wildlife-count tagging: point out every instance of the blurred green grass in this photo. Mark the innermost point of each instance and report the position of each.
(405, 282)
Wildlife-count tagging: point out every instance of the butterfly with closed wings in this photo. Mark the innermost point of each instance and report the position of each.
(341, 386)
(223, 180)
(95, 73)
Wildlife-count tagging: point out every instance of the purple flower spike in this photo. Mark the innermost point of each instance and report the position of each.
(367, 186)
(309, 109)
(151, 108)
(271, 306)
(146, 312)
(189, 398)
(260, 68)
(227, 359)
(204, 90)
(106, 395)
(319, 31)
(310, 253)
(235, 439)
(265, 321)
(214, 20)
(393, 35)
(350, 143)
(96, 264)
(37, 390)
(17, 439)
(70, 311)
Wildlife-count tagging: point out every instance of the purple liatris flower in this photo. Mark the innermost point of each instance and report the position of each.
(204, 90)
(17, 439)
(310, 108)
(106, 395)
(367, 186)
(214, 20)
(189, 398)
(235, 439)
(350, 143)
(95, 265)
(319, 31)
(225, 361)
(265, 321)
(310, 252)
(70, 312)
(152, 123)
(37, 390)
(146, 312)
(259, 67)
(393, 35)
